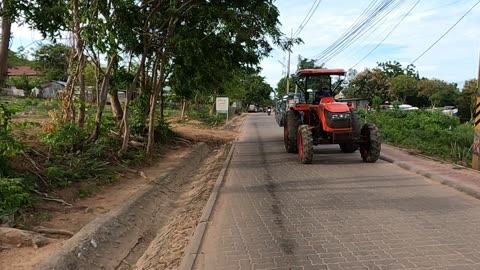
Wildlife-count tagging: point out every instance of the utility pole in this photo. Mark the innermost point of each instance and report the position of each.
(290, 45)
(476, 139)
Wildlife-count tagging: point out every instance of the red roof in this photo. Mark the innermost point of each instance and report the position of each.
(15, 71)
(305, 72)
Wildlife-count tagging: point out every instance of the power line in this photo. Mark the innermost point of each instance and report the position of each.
(376, 11)
(306, 16)
(393, 29)
(305, 21)
(444, 34)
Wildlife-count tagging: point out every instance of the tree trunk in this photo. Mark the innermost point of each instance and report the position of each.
(184, 107)
(103, 99)
(116, 106)
(4, 43)
(126, 129)
(153, 105)
(81, 62)
(212, 109)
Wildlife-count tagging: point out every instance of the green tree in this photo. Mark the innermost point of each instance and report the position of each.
(403, 86)
(370, 83)
(466, 100)
(394, 68)
(52, 60)
(438, 92)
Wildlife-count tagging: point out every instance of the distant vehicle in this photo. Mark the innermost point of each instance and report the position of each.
(406, 107)
(252, 108)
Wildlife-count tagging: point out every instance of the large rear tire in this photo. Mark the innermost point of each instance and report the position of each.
(370, 148)
(305, 144)
(290, 131)
(351, 147)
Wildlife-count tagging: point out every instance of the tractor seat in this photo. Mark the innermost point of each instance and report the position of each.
(327, 100)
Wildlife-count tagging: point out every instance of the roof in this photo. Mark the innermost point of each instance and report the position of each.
(16, 71)
(306, 72)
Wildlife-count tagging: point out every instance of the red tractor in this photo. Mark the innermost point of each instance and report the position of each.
(316, 118)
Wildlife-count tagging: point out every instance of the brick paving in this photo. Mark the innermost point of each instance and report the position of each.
(337, 213)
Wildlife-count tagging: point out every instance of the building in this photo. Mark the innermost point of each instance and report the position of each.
(17, 71)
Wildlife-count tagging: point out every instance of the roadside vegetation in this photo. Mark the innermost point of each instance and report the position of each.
(156, 63)
(430, 133)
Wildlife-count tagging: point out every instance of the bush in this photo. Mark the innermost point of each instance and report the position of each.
(65, 137)
(13, 195)
(163, 132)
(432, 133)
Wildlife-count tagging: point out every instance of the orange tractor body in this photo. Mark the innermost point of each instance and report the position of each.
(316, 118)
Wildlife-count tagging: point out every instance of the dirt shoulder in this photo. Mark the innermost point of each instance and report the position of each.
(182, 199)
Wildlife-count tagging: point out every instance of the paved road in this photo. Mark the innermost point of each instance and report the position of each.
(337, 213)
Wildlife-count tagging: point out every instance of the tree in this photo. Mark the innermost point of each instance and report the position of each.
(370, 83)
(466, 100)
(305, 63)
(394, 69)
(438, 92)
(52, 60)
(403, 86)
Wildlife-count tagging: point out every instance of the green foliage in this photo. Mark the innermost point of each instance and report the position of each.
(66, 137)
(163, 132)
(403, 86)
(52, 60)
(24, 82)
(466, 100)
(434, 134)
(370, 83)
(17, 59)
(13, 195)
(202, 114)
(8, 145)
(393, 69)
(438, 92)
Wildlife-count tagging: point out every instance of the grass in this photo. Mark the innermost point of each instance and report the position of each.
(433, 134)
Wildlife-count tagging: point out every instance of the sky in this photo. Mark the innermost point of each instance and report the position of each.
(454, 58)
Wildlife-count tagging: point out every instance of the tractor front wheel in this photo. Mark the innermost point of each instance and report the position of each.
(371, 145)
(305, 144)
(351, 147)
(290, 131)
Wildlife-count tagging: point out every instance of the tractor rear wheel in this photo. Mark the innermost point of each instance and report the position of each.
(370, 148)
(305, 144)
(290, 131)
(351, 147)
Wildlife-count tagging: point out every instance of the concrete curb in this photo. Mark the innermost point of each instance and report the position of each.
(191, 252)
(469, 190)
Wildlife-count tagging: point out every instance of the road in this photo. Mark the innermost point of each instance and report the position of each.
(337, 213)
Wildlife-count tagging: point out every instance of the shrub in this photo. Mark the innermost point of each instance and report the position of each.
(65, 137)
(13, 195)
(432, 133)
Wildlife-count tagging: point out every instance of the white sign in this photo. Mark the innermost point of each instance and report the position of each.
(222, 104)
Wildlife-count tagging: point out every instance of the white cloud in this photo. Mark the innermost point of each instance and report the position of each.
(454, 58)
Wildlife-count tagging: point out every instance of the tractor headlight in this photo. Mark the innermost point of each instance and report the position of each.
(340, 116)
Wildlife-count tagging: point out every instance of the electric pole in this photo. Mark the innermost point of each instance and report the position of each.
(290, 45)
(476, 139)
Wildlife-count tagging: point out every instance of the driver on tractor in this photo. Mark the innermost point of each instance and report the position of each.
(325, 92)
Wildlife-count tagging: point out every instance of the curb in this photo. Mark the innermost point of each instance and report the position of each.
(472, 191)
(191, 252)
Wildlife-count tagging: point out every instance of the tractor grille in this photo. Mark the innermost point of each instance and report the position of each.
(339, 122)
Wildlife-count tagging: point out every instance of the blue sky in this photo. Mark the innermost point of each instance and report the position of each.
(454, 58)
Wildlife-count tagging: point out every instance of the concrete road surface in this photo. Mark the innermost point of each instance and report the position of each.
(337, 213)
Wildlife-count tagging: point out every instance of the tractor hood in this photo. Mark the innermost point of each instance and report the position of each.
(337, 107)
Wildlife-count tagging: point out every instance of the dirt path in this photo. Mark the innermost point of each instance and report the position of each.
(152, 241)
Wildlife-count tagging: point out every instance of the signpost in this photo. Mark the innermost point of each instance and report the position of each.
(476, 140)
(222, 105)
